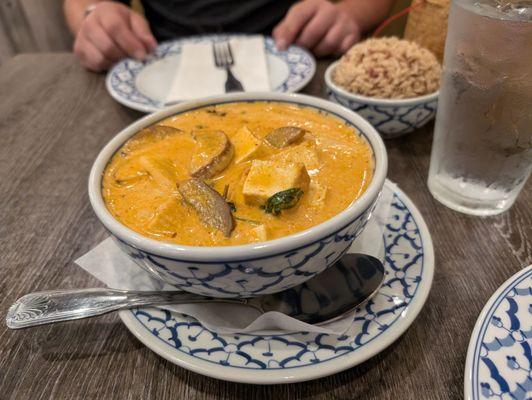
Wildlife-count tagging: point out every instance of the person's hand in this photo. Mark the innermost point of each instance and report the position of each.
(319, 25)
(111, 32)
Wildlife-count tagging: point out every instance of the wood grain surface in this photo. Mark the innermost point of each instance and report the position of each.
(54, 119)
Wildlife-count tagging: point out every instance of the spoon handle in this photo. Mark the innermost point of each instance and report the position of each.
(62, 305)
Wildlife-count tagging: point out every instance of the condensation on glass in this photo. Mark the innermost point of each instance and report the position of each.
(482, 154)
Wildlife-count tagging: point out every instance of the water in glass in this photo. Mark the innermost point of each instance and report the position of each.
(482, 153)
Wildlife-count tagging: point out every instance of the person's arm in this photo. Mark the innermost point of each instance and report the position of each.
(107, 32)
(329, 28)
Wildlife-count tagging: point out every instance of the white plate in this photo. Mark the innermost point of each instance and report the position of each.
(499, 358)
(301, 356)
(144, 86)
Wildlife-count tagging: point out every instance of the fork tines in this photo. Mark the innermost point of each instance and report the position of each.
(223, 55)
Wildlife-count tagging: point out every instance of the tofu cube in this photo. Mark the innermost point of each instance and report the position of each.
(167, 218)
(252, 235)
(265, 178)
(247, 146)
(259, 234)
(304, 152)
(162, 171)
(316, 194)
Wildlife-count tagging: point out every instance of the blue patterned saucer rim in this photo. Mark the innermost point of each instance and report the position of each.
(489, 375)
(375, 100)
(300, 356)
(121, 78)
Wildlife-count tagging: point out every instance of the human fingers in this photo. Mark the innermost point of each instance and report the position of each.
(142, 30)
(90, 57)
(286, 32)
(104, 43)
(316, 29)
(348, 41)
(117, 26)
(339, 39)
(331, 42)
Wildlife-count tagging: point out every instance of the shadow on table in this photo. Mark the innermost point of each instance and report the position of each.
(417, 142)
(84, 339)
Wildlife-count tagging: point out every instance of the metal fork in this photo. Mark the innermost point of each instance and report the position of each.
(223, 58)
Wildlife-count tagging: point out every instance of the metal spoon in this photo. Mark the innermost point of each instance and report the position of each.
(339, 289)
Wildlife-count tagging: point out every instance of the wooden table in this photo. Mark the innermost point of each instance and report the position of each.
(54, 119)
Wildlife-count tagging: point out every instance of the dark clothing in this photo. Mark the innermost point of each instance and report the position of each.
(172, 18)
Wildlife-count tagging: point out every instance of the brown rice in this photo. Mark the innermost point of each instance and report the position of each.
(388, 68)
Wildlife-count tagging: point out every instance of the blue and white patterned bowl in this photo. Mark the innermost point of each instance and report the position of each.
(391, 117)
(252, 269)
(499, 358)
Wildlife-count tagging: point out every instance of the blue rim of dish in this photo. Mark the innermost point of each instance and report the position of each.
(391, 238)
(472, 384)
(120, 80)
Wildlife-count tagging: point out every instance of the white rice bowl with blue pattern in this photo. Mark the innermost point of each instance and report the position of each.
(391, 117)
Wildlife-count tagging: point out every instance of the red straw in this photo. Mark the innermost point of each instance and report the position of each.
(395, 16)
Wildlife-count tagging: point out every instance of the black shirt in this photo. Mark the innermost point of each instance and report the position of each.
(173, 18)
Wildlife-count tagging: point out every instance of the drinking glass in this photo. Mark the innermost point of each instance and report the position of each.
(482, 153)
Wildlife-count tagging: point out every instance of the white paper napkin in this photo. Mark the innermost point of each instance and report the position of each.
(107, 263)
(198, 76)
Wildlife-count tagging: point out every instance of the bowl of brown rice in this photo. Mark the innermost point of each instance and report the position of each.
(393, 83)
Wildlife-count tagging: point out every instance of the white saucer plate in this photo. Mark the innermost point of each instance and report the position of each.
(499, 358)
(300, 356)
(144, 86)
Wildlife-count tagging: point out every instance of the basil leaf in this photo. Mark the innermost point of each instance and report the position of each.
(282, 201)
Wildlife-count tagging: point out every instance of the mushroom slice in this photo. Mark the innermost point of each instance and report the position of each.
(159, 131)
(214, 154)
(285, 136)
(148, 137)
(209, 204)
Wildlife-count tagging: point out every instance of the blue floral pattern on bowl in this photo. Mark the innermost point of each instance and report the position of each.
(121, 79)
(500, 352)
(390, 120)
(252, 277)
(408, 278)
